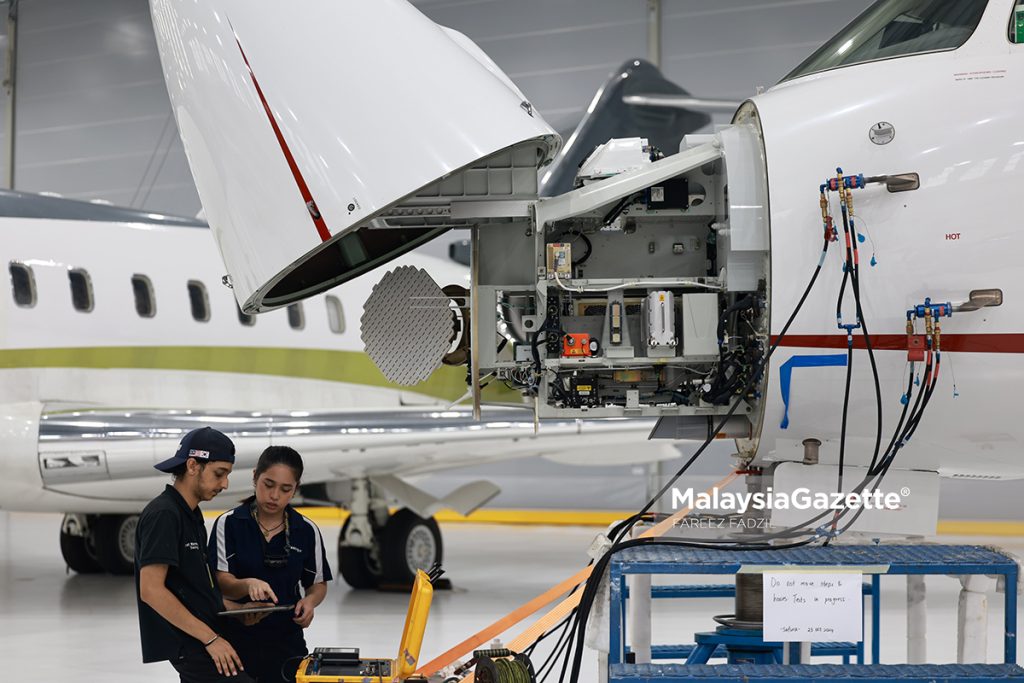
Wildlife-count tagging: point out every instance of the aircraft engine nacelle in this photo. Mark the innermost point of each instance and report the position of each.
(326, 139)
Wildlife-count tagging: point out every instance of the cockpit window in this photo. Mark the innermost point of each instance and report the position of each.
(1016, 34)
(897, 28)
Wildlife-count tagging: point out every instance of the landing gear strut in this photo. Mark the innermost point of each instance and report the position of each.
(406, 542)
(77, 547)
(360, 567)
(381, 550)
(96, 543)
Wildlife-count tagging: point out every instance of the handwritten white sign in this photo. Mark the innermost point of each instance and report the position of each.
(812, 607)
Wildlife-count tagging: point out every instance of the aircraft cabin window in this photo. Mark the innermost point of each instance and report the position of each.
(335, 314)
(897, 28)
(245, 318)
(296, 316)
(81, 290)
(145, 301)
(199, 301)
(1016, 34)
(23, 284)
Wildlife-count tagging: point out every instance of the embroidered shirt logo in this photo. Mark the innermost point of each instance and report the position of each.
(191, 545)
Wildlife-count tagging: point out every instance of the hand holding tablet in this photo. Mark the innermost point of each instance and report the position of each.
(255, 610)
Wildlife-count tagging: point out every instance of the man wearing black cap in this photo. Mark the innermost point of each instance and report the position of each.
(178, 598)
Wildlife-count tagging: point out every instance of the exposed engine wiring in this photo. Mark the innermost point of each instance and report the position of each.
(620, 207)
(580, 289)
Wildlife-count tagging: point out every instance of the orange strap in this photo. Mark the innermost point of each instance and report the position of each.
(503, 624)
(555, 615)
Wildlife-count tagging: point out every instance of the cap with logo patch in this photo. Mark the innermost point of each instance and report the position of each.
(205, 444)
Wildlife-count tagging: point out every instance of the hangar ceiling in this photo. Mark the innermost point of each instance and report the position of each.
(93, 119)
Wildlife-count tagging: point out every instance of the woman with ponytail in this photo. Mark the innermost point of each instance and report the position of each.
(265, 551)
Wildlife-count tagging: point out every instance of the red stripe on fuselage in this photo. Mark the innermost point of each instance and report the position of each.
(307, 196)
(969, 343)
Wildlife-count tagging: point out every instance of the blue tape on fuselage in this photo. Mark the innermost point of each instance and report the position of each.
(786, 375)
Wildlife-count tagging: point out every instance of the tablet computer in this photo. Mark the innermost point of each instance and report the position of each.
(256, 610)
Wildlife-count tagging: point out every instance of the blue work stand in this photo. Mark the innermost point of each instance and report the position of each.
(715, 645)
(778, 673)
(874, 560)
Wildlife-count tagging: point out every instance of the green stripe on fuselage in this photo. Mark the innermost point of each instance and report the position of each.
(352, 367)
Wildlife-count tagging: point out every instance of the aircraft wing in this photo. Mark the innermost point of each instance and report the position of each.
(105, 458)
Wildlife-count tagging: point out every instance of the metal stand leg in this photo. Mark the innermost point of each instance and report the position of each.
(972, 620)
(701, 654)
(796, 653)
(638, 618)
(876, 619)
(917, 620)
(1010, 617)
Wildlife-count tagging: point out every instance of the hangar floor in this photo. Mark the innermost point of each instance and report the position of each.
(58, 627)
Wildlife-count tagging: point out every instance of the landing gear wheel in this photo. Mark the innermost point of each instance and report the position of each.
(79, 554)
(360, 567)
(409, 542)
(115, 542)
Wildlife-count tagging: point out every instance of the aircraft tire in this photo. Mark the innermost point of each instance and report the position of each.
(79, 554)
(409, 542)
(115, 542)
(357, 566)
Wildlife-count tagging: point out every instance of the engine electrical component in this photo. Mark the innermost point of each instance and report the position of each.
(576, 345)
(645, 295)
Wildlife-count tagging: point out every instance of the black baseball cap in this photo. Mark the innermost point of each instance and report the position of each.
(205, 444)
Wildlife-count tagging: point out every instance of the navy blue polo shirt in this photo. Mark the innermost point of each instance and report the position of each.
(237, 547)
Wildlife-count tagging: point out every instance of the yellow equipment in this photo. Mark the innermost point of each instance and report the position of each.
(343, 665)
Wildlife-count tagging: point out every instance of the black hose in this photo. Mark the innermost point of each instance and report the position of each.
(620, 207)
(867, 344)
(842, 430)
(908, 432)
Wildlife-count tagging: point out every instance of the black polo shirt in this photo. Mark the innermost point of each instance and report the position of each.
(171, 533)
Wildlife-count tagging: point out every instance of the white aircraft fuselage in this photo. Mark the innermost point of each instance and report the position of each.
(933, 98)
(950, 115)
(90, 400)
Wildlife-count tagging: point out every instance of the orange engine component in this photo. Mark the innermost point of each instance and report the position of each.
(575, 345)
